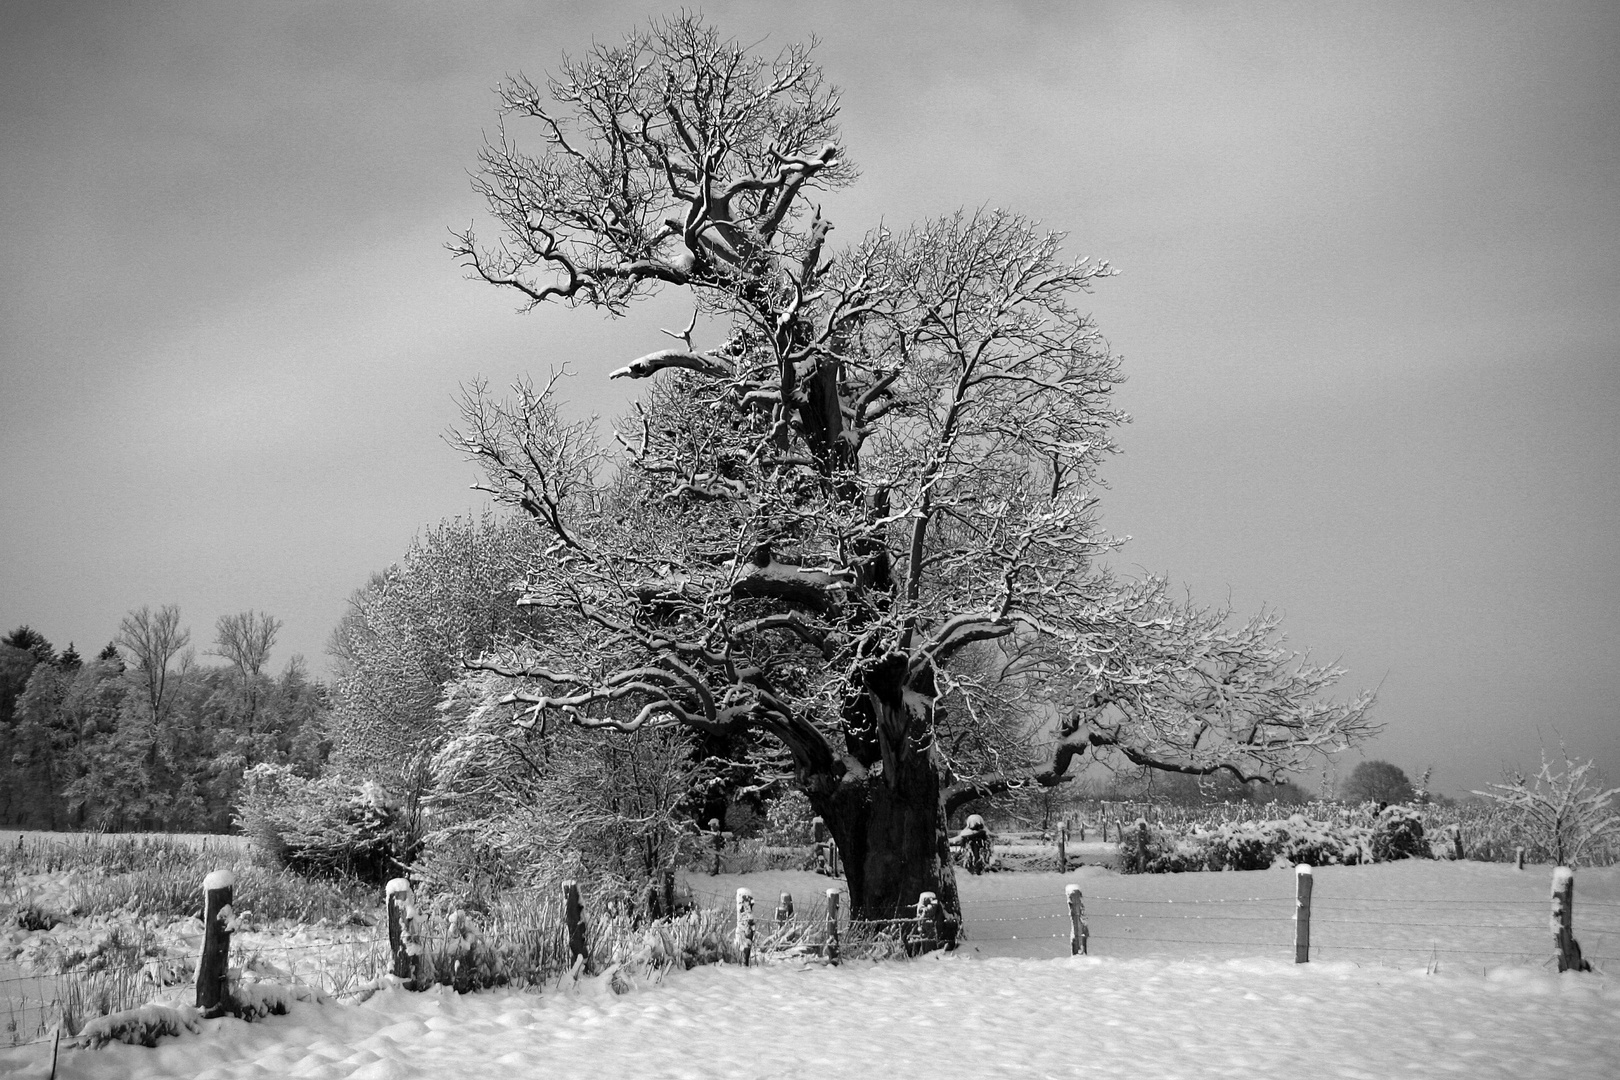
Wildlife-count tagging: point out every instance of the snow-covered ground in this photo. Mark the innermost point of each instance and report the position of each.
(955, 1017)
(1419, 969)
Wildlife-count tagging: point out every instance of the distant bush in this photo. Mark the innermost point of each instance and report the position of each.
(324, 828)
(1397, 833)
(1259, 845)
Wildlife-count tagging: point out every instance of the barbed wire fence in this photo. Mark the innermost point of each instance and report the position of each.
(1362, 929)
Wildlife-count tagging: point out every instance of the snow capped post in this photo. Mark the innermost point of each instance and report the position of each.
(1563, 921)
(574, 919)
(719, 844)
(1302, 914)
(831, 949)
(213, 967)
(930, 922)
(784, 910)
(404, 943)
(1079, 932)
(1062, 843)
(745, 925)
(1141, 845)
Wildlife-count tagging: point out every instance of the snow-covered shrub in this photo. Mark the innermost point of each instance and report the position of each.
(141, 1027)
(328, 827)
(789, 820)
(1246, 845)
(1397, 833)
(511, 805)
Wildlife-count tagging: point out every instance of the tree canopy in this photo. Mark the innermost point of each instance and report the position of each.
(862, 525)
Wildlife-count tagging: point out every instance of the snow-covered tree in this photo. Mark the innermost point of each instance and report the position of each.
(1566, 813)
(861, 527)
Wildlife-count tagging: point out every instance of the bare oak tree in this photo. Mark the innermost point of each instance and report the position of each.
(153, 640)
(862, 526)
(245, 640)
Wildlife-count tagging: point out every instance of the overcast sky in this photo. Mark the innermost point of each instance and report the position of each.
(1369, 306)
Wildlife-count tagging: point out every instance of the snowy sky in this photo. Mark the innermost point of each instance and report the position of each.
(1370, 305)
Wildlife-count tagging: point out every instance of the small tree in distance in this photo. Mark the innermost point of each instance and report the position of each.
(1566, 813)
(1377, 781)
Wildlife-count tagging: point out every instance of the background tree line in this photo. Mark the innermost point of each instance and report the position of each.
(144, 736)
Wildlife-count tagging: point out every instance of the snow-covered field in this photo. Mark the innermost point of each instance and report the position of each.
(1420, 969)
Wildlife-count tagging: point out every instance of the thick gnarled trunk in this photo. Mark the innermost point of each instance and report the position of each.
(892, 840)
(890, 822)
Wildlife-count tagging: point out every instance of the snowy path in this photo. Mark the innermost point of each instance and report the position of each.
(939, 1019)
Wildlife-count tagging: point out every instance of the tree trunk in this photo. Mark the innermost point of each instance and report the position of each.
(890, 824)
(892, 840)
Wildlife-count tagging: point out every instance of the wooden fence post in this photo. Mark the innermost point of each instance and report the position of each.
(650, 901)
(719, 844)
(1141, 845)
(831, 950)
(930, 924)
(1518, 858)
(745, 925)
(1079, 932)
(1302, 914)
(1456, 843)
(574, 919)
(669, 891)
(1062, 840)
(784, 910)
(404, 944)
(1563, 921)
(1082, 824)
(213, 967)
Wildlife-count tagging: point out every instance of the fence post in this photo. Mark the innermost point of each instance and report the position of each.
(1062, 840)
(213, 967)
(1141, 845)
(930, 924)
(404, 945)
(831, 950)
(574, 919)
(745, 924)
(1302, 914)
(669, 891)
(719, 844)
(650, 901)
(1082, 825)
(1456, 843)
(1563, 921)
(1079, 932)
(784, 910)
(1518, 858)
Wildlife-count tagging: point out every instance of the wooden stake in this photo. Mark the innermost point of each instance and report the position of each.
(784, 910)
(213, 967)
(1062, 840)
(1563, 921)
(669, 891)
(930, 923)
(404, 944)
(650, 902)
(1141, 845)
(1079, 932)
(574, 918)
(831, 949)
(1518, 858)
(745, 925)
(1302, 914)
(719, 844)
